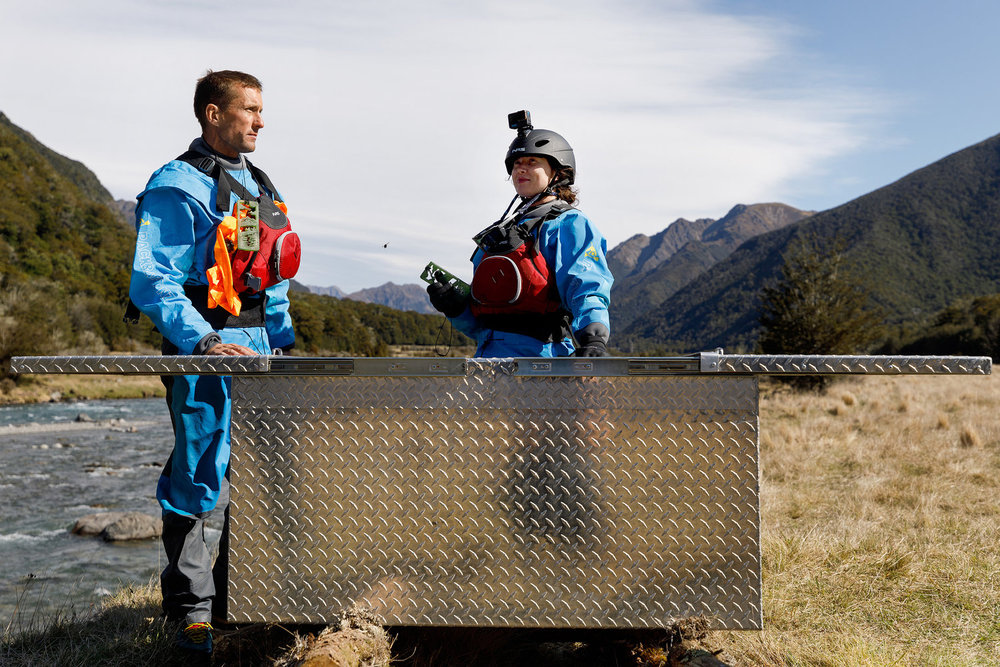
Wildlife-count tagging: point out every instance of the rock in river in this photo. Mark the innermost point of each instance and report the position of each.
(119, 526)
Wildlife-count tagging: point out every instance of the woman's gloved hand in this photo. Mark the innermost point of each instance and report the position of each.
(593, 341)
(445, 298)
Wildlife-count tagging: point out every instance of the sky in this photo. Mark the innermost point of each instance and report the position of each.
(385, 121)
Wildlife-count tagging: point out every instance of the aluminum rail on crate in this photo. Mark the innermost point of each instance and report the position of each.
(154, 364)
(703, 362)
(817, 364)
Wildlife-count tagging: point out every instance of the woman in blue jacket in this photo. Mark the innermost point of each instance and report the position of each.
(541, 284)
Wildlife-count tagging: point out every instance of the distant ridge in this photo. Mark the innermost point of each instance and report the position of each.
(408, 296)
(401, 297)
(648, 270)
(918, 244)
(642, 253)
(335, 292)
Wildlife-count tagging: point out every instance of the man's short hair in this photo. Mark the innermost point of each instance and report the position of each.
(220, 88)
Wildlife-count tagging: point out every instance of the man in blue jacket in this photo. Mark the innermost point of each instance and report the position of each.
(176, 221)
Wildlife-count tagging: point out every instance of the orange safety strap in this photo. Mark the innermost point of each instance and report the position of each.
(220, 277)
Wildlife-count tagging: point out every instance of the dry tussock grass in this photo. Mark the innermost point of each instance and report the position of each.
(880, 519)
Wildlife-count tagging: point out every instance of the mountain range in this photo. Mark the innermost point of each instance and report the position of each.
(919, 244)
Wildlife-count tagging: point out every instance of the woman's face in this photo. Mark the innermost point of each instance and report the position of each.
(530, 175)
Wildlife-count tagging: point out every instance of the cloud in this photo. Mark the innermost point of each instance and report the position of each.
(385, 122)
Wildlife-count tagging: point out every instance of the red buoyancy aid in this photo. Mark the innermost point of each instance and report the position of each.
(276, 260)
(247, 271)
(513, 277)
(279, 254)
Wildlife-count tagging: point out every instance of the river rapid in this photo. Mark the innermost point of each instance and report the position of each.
(62, 461)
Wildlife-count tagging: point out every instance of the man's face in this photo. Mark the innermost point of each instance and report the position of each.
(236, 126)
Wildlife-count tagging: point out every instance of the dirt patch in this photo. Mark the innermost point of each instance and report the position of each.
(356, 641)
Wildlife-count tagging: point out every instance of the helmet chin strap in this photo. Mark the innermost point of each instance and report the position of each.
(526, 203)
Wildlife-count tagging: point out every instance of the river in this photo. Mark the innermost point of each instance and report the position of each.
(62, 461)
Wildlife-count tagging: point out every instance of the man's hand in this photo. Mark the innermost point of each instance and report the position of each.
(229, 350)
(445, 298)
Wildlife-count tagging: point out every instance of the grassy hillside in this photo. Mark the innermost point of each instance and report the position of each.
(919, 245)
(63, 255)
(74, 171)
(51, 229)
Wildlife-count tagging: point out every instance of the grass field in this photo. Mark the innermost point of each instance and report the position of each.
(880, 527)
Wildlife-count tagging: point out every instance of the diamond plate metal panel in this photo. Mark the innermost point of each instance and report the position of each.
(496, 500)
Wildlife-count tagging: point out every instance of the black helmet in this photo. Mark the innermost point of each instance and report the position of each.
(540, 143)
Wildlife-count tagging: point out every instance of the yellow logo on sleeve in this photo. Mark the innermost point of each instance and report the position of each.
(592, 254)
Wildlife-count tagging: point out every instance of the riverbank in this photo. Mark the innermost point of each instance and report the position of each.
(52, 388)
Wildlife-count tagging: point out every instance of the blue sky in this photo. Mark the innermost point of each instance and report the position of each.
(934, 62)
(386, 121)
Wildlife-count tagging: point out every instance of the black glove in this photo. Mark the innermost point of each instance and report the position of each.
(593, 340)
(445, 298)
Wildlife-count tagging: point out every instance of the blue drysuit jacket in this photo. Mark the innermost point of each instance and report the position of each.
(575, 252)
(176, 223)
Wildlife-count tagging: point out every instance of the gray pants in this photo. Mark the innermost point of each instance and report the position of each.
(193, 590)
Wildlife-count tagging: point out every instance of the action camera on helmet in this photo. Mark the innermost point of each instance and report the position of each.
(520, 121)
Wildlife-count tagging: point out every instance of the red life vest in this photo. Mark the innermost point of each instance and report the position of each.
(513, 277)
(278, 256)
(280, 249)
